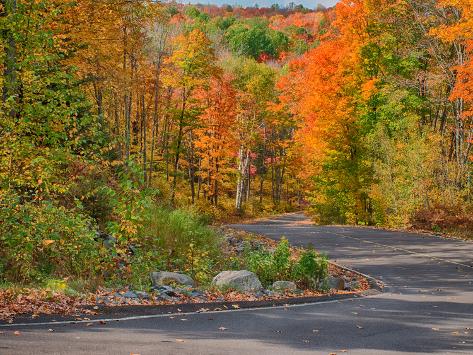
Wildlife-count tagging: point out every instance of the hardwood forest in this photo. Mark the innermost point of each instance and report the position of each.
(141, 122)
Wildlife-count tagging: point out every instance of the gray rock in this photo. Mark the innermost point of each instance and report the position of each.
(281, 286)
(184, 290)
(127, 294)
(143, 295)
(336, 283)
(165, 277)
(196, 293)
(165, 290)
(352, 285)
(243, 280)
(260, 294)
(107, 240)
(133, 250)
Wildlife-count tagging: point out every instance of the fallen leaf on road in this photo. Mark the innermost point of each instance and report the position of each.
(235, 306)
(435, 329)
(179, 340)
(17, 332)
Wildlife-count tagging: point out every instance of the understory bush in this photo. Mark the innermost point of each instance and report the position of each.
(41, 239)
(308, 271)
(117, 232)
(177, 240)
(311, 269)
(270, 266)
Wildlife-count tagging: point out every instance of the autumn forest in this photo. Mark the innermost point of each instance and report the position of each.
(136, 119)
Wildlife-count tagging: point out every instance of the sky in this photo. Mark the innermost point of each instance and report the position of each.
(264, 3)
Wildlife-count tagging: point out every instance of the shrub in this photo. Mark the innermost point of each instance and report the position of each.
(311, 269)
(261, 263)
(271, 266)
(179, 240)
(40, 239)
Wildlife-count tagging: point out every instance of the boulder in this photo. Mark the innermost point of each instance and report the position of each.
(281, 286)
(162, 278)
(352, 285)
(243, 280)
(336, 283)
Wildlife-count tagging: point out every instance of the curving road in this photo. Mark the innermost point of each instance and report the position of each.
(426, 307)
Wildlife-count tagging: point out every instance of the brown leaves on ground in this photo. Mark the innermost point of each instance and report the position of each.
(14, 302)
(455, 220)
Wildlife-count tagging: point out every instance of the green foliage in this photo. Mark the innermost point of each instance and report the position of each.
(254, 38)
(130, 203)
(179, 240)
(270, 266)
(253, 78)
(41, 239)
(311, 269)
(223, 23)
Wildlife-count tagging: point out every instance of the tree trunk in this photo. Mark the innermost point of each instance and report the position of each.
(155, 129)
(244, 156)
(178, 146)
(10, 84)
(144, 130)
(191, 166)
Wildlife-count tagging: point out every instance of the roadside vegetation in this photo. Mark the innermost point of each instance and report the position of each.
(128, 128)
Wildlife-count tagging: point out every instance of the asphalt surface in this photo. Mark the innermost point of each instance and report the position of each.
(426, 307)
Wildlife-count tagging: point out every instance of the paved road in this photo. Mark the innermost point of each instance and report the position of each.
(427, 307)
